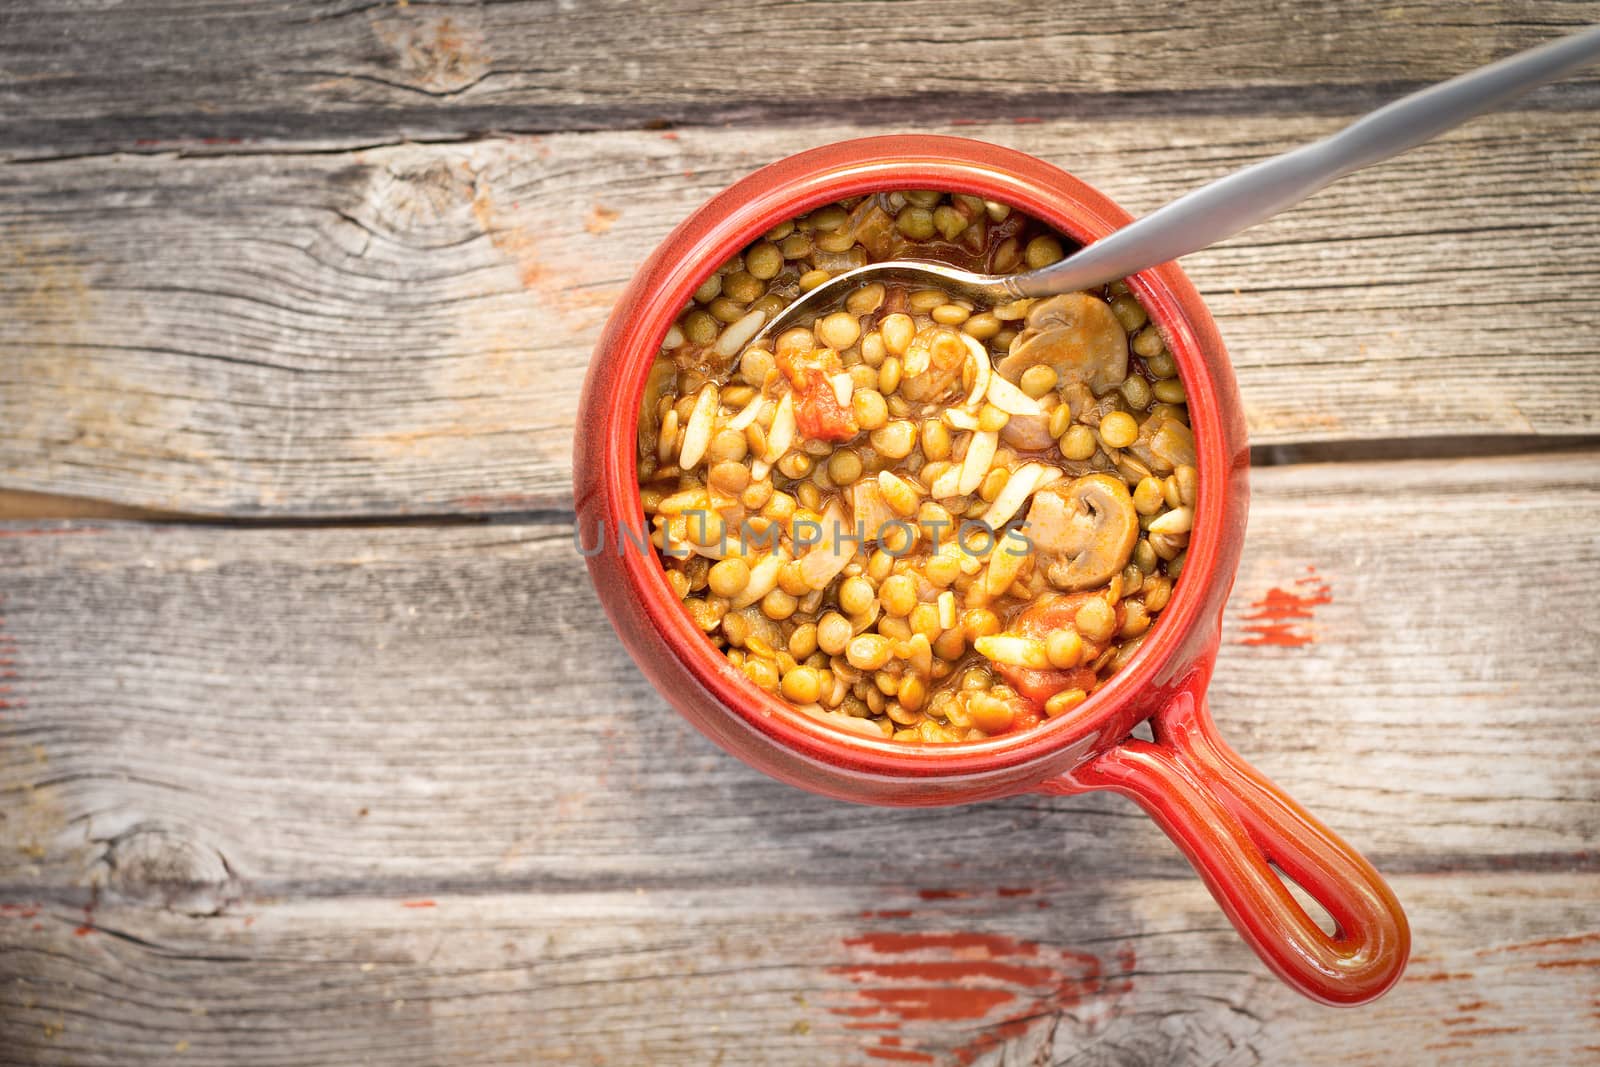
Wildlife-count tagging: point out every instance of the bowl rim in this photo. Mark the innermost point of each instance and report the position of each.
(791, 186)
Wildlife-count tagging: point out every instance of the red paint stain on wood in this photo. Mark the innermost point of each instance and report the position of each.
(418, 904)
(8, 701)
(1472, 1005)
(1442, 976)
(888, 913)
(1548, 942)
(1275, 618)
(88, 916)
(1489, 1031)
(958, 971)
(942, 1005)
(1556, 965)
(958, 994)
(996, 1037)
(966, 944)
(499, 502)
(943, 894)
(18, 911)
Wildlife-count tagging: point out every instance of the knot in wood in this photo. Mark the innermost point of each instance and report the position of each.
(162, 868)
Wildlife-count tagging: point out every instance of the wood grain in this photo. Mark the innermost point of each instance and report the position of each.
(101, 76)
(331, 757)
(436, 709)
(1082, 971)
(404, 331)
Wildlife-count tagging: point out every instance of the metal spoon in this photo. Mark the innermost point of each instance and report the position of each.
(1228, 205)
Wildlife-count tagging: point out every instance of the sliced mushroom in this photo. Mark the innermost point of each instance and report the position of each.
(1075, 333)
(1084, 531)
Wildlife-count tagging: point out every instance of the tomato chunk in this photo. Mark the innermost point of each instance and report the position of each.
(1040, 620)
(818, 415)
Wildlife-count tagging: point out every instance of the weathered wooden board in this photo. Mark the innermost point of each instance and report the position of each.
(94, 76)
(1087, 971)
(405, 330)
(446, 708)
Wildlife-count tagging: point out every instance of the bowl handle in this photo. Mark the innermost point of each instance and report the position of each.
(1231, 822)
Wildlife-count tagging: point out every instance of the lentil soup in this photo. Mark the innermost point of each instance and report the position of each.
(919, 518)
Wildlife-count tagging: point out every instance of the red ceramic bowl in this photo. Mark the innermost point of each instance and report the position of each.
(1229, 820)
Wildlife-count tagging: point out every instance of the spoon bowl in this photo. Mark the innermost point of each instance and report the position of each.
(986, 289)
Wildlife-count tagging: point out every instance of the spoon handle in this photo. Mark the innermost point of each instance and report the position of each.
(1228, 205)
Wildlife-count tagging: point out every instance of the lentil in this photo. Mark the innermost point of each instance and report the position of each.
(729, 577)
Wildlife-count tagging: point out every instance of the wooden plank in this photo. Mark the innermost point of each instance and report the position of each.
(95, 76)
(1087, 970)
(1407, 647)
(405, 330)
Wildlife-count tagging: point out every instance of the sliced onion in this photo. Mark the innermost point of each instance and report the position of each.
(947, 610)
(843, 387)
(1004, 566)
(840, 691)
(748, 414)
(982, 370)
(1176, 521)
(868, 508)
(763, 580)
(1011, 400)
(947, 484)
(721, 550)
(1023, 481)
(980, 453)
(919, 654)
(1016, 651)
(781, 436)
(738, 334)
(823, 563)
(841, 721)
(960, 419)
(681, 501)
(898, 494)
(697, 435)
(669, 436)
